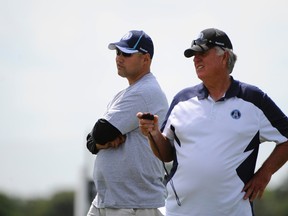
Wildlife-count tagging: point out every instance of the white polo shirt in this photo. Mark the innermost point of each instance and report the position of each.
(216, 147)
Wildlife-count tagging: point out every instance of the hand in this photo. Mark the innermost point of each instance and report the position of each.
(147, 125)
(112, 144)
(256, 186)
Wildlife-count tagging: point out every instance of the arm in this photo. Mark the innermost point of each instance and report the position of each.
(104, 135)
(160, 145)
(256, 186)
(112, 144)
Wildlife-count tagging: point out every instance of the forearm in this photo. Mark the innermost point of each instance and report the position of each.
(256, 186)
(161, 146)
(103, 133)
(276, 160)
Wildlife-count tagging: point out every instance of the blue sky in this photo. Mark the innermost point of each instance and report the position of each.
(57, 74)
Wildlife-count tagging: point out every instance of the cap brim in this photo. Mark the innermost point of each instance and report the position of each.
(195, 49)
(113, 46)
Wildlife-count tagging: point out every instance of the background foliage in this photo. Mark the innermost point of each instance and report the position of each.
(61, 204)
(273, 203)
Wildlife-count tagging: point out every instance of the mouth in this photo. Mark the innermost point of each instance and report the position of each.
(198, 67)
(119, 66)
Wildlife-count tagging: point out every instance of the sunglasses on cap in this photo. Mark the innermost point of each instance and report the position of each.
(209, 43)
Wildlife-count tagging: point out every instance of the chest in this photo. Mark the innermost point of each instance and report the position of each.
(233, 117)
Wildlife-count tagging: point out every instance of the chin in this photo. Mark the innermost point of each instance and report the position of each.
(200, 75)
(121, 74)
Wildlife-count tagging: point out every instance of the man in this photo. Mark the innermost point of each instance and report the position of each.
(127, 175)
(212, 132)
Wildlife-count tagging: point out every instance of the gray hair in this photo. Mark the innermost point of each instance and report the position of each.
(232, 57)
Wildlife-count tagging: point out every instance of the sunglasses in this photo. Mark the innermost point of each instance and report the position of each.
(209, 43)
(119, 52)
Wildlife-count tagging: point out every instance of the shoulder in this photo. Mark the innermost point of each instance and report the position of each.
(257, 97)
(147, 80)
(191, 92)
(147, 86)
(251, 93)
(249, 88)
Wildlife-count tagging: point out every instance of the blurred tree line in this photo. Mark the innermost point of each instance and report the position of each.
(61, 204)
(273, 203)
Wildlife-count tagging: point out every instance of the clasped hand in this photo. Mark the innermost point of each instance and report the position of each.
(112, 144)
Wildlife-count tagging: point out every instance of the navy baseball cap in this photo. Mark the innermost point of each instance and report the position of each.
(134, 41)
(207, 39)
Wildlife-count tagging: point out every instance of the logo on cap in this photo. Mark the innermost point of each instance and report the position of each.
(201, 36)
(127, 36)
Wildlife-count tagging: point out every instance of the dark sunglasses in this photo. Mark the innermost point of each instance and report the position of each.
(119, 52)
(209, 43)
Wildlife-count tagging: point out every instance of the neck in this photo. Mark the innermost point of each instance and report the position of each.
(134, 79)
(218, 88)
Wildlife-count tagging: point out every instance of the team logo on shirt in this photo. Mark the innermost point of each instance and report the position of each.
(235, 114)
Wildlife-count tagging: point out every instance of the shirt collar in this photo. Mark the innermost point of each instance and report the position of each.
(232, 91)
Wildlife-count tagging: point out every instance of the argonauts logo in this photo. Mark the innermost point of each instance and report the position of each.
(236, 114)
(127, 36)
(200, 36)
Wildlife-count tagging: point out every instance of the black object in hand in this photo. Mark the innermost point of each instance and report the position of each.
(148, 116)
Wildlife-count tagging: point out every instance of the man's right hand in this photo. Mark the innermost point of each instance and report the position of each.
(112, 144)
(147, 125)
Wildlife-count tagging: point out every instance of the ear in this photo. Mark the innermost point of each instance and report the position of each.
(147, 58)
(225, 57)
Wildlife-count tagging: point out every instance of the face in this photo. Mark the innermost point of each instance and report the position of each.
(131, 66)
(210, 65)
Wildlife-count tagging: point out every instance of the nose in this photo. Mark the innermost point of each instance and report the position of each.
(196, 58)
(119, 58)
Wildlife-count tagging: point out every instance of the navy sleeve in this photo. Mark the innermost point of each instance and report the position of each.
(102, 132)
